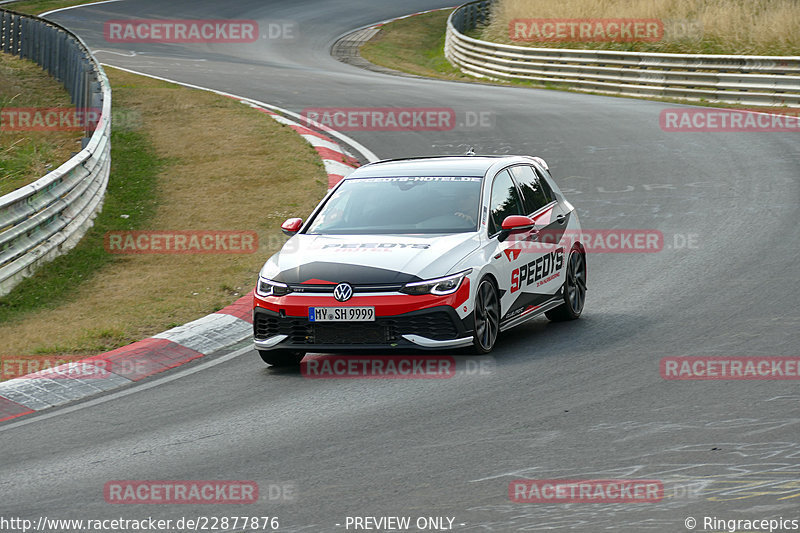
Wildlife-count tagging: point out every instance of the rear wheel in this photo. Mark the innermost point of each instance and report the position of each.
(574, 289)
(281, 357)
(487, 317)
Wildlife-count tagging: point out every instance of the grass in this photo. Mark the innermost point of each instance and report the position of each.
(192, 161)
(746, 27)
(26, 156)
(414, 45)
(34, 7)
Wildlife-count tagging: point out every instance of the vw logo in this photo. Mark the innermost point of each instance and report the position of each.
(343, 292)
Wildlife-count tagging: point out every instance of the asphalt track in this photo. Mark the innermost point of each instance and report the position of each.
(577, 400)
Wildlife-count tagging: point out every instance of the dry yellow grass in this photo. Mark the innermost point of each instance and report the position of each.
(26, 156)
(757, 27)
(232, 168)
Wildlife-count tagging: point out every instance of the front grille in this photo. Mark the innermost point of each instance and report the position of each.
(357, 289)
(436, 325)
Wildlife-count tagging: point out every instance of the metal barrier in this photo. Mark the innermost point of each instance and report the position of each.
(732, 79)
(48, 217)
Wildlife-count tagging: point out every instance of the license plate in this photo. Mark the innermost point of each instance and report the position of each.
(341, 314)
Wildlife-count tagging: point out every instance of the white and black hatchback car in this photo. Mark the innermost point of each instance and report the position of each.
(436, 252)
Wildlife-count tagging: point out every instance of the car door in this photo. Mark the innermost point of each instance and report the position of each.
(543, 272)
(516, 258)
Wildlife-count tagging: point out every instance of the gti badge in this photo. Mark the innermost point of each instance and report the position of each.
(343, 292)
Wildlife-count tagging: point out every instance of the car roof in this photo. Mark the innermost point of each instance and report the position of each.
(468, 165)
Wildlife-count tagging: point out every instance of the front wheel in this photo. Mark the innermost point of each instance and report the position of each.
(281, 357)
(574, 289)
(487, 317)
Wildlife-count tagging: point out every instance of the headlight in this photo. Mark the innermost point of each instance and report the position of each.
(268, 287)
(438, 286)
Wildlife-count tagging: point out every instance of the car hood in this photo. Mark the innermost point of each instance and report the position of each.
(368, 259)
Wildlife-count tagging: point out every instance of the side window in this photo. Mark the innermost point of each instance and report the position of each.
(505, 201)
(535, 191)
(545, 186)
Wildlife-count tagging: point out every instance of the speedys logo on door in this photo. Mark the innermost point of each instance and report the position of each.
(544, 267)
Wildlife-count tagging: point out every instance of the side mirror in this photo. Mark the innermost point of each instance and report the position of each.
(515, 224)
(292, 226)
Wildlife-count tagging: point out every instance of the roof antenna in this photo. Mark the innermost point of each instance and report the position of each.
(471, 151)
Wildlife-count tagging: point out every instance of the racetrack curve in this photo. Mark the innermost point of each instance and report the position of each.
(573, 400)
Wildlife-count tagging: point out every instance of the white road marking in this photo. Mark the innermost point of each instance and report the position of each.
(315, 140)
(73, 7)
(209, 333)
(337, 167)
(366, 152)
(29, 419)
(132, 54)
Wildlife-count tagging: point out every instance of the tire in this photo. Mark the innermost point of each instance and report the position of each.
(574, 289)
(487, 317)
(281, 357)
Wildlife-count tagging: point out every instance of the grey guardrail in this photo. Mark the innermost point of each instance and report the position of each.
(732, 79)
(48, 217)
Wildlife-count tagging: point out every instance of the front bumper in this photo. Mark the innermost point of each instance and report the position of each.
(433, 328)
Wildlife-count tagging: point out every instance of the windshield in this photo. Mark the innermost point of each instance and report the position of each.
(397, 205)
